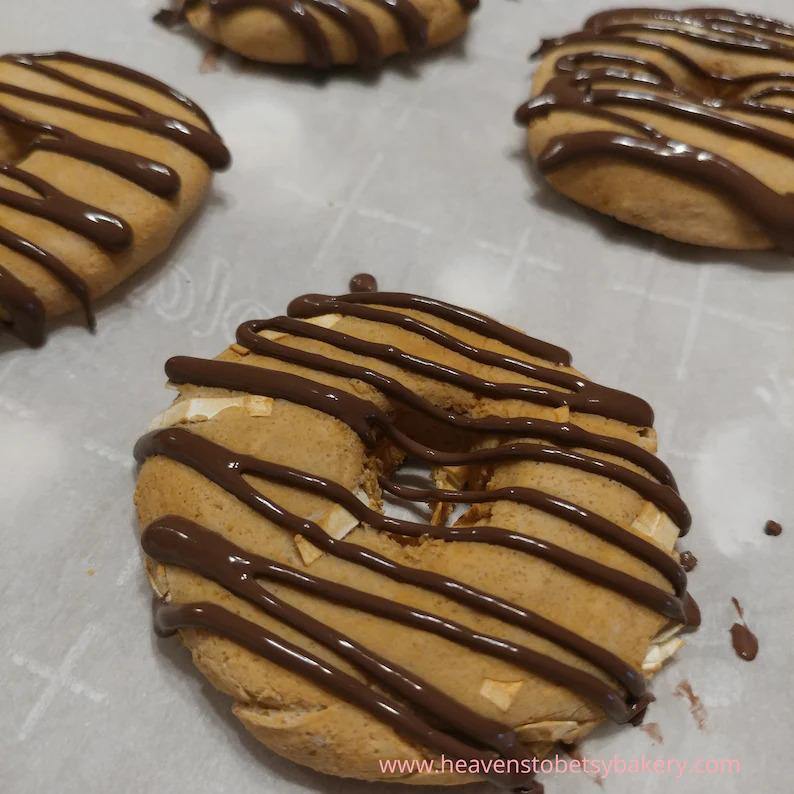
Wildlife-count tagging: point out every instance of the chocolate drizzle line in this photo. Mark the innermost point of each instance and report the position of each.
(643, 84)
(177, 541)
(300, 15)
(106, 230)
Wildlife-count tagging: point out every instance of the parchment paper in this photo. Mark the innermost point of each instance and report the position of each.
(419, 177)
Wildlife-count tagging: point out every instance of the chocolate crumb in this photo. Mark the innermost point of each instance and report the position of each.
(363, 282)
(688, 561)
(773, 528)
(744, 642)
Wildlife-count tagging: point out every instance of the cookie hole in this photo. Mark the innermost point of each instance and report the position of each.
(418, 509)
(415, 480)
(413, 476)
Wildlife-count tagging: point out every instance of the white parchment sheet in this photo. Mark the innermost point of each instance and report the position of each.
(419, 177)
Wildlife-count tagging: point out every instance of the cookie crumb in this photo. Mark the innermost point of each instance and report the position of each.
(500, 693)
(308, 552)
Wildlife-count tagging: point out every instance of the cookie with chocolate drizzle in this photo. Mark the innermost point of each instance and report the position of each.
(679, 122)
(347, 635)
(100, 165)
(324, 33)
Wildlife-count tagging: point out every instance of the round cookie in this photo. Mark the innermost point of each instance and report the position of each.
(347, 637)
(100, 166)
(679, 122)
(325, 33)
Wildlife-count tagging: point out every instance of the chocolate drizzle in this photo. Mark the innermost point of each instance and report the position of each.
(300, 15)
(174, 540)
(636, 82)
(364, 417)
(177, 541)
(170, 618)
(108, 231)
(356, 305)
(580, 516)
(153, 176)
(584, 396)
(25, 308)
(203, 143)
(210, 555)
(103, 228)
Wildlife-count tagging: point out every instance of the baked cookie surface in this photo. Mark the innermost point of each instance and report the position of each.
(100, 165)
(679, 122)
(324, 33)
(347, 636)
